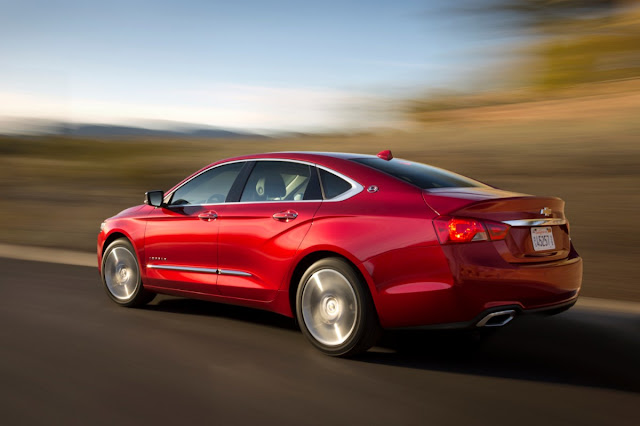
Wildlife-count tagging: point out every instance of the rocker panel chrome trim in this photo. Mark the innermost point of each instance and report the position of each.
(201, 270)
(232, 272)
(183, 268)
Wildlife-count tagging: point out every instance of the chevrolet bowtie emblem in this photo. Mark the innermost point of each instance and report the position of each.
(546, 211)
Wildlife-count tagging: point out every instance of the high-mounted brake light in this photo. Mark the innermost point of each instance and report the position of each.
(464, 230)
(385, 155)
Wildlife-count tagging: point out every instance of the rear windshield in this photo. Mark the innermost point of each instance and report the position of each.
(421, 175)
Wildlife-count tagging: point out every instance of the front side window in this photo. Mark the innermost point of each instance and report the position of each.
(281, 181)
(211, 187)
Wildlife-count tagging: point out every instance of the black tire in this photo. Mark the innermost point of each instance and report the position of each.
(121, 275)
(343, 302)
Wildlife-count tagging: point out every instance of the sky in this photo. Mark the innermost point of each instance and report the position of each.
(246, 64)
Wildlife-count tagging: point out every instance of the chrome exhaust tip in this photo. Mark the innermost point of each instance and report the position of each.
(497, 319)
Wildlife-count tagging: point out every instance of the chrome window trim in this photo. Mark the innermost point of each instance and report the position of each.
(535, 222)
(202, 270)
(250, 202)
(356, 188)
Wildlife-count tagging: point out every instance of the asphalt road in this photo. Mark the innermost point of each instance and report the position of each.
(68, 355)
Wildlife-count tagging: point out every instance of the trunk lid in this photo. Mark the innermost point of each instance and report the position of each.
(530, 217)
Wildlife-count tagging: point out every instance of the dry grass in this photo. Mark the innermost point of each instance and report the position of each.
(56, 191)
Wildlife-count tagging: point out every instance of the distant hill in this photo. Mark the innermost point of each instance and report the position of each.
(25, 126)
(100, 130)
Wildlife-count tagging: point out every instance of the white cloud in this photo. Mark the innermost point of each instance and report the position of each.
(225, 105)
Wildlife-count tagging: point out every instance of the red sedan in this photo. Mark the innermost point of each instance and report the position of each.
(347, 244)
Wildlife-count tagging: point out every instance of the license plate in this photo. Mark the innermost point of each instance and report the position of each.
(542, 238)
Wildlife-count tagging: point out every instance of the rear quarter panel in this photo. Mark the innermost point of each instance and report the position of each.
(389, 236)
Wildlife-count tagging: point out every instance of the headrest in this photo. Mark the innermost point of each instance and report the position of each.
(271, 186)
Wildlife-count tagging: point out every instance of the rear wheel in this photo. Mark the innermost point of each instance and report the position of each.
(121, 275)
(335, 310)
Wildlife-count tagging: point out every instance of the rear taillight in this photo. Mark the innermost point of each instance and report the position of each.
(459, 230)
(497, 230)
(465, 230)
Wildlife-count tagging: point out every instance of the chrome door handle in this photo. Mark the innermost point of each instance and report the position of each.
(285, 216)
(208, 216)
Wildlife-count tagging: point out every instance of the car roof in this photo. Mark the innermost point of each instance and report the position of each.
(338, 161)
(306, 155)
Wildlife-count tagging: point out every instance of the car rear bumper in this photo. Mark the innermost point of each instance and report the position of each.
(537, 286)
(481, 283)
(486, 317)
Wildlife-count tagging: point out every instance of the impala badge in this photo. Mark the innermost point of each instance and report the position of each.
(546, 211)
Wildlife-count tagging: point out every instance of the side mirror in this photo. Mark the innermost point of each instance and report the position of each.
(154, 198)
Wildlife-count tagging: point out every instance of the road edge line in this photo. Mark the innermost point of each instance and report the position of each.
(80, 258)
(49, 255)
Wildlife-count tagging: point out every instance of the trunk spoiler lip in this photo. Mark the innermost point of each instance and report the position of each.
(471, 203)
(465, 204)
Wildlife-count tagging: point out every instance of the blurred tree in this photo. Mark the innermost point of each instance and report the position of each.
(576, 41)
(566, 43)
(547, 13)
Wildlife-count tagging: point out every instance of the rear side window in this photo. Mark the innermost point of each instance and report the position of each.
(281, 181)
(420, 175)
(333, 185)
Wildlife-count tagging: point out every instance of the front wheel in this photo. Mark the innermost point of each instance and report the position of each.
(335, 310)
(121, 275)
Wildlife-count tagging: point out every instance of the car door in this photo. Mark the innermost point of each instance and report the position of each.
(261, 232)
(181, 238)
